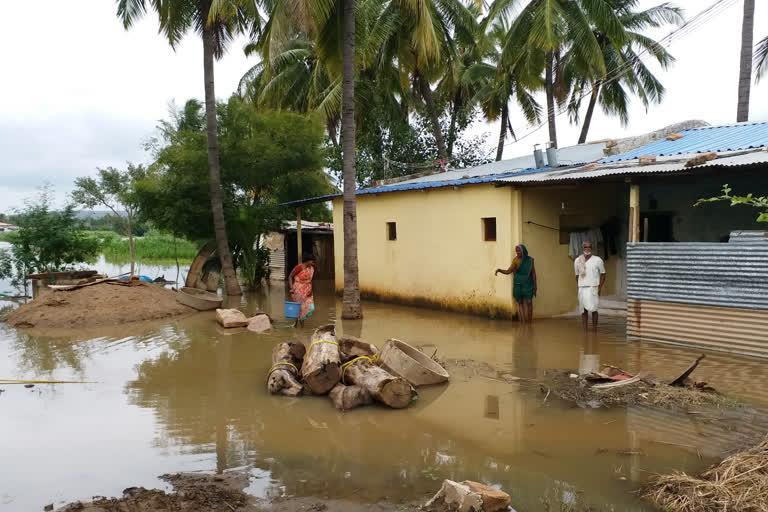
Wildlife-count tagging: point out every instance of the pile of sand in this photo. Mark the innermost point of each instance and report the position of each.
(100, 305)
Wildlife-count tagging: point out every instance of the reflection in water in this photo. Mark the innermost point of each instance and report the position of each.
(189, 395)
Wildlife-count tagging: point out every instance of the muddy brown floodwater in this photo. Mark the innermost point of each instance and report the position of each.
(185, 396)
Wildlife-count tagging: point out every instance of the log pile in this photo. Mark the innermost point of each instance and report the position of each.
(343, 368)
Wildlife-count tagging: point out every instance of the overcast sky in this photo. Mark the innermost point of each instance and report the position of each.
(79, 92)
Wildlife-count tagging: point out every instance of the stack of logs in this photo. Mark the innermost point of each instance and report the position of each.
(342, 368)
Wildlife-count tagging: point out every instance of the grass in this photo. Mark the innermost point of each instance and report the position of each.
(154, 248)
(739, 482)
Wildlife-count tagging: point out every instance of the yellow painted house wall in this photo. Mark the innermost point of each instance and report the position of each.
(592, 204)
(439, 257)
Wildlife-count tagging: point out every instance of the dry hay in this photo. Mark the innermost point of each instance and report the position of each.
(738, 483)
(646, 391)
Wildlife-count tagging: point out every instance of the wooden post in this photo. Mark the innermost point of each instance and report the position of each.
(298, 233)
(645, 229)
(634, 213)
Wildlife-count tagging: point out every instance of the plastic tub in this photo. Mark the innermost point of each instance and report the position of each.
(292, 309)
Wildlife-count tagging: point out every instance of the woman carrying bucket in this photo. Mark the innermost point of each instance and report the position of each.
(300, 280)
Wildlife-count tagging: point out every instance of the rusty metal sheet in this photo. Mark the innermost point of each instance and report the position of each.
(723, 329)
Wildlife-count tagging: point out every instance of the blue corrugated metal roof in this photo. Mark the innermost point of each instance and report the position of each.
(402, 187)
(702, 140)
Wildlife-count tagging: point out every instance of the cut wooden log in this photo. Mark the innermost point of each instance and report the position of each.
(284, 374)
(322, 365)
(352, 347)
(680, 381)
(393, 391)
(349, 397)
(674, 136)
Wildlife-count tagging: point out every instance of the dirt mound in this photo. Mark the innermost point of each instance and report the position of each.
(193, 493)
(220, 493)
(100, 305)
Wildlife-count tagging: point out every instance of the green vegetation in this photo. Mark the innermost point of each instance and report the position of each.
(114, 189)
(47, 240)
(154, 248)
(759, 202)
(267, 158)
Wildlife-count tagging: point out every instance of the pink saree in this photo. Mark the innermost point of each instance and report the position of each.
(301, 291)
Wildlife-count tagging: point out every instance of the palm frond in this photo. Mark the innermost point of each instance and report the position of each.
(761, 58)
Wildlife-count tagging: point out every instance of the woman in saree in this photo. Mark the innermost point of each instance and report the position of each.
(524, 285)
(300, 280)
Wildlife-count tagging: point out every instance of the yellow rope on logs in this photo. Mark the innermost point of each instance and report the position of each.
(274, 366)
(321, 341)
(348, 363)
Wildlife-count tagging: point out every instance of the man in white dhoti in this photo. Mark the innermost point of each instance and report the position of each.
(590, 277)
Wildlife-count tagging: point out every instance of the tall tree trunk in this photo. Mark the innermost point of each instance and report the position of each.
(745, 62)
(550, 88)
(426, 94)
(590, 111)
(457, 105)
(503, 131)
(130, 246)
(351, 308)
(231, 286)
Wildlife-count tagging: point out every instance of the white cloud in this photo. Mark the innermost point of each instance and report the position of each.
(85, 93)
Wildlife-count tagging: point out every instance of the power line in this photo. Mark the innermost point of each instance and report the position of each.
(689, 26)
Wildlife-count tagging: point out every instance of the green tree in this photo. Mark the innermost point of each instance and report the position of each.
(217, 21)
(267, 158)
(745, 61)
(625, 73)
(498, 82)
(114, 189)
(759, 202)
(47, 241)
(555, 27)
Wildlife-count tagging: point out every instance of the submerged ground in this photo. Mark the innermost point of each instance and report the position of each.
(184, 395)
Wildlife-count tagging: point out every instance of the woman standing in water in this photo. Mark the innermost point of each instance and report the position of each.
(300, 280)
(524, 282)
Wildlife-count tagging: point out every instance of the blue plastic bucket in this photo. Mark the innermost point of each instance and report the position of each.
(292, 309)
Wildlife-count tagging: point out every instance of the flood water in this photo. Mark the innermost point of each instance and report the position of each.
(185, 395)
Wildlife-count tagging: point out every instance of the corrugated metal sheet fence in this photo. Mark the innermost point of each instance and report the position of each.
(710, 295)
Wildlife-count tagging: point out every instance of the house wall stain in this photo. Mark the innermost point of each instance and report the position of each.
(439, 258)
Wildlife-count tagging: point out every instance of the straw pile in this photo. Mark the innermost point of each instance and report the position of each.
(739, 482)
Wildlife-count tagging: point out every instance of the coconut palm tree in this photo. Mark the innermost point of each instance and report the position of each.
(497, 83)
(625, 73)
(351, 308)
(319, 38)
(745, 61)
(216, 21)
(555, 27)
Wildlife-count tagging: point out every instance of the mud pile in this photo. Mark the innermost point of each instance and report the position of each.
(192, 493)
(100, 305)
